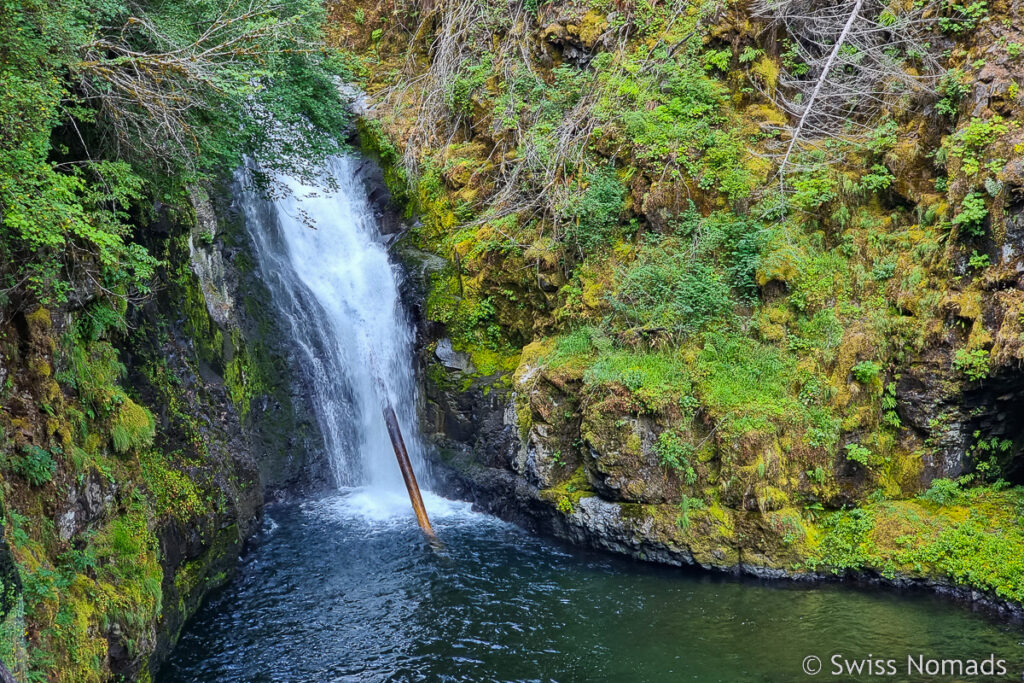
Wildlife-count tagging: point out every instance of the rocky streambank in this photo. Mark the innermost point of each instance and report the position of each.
(143, 454)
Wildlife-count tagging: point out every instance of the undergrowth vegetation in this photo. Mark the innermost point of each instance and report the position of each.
(116, 119)
(605, 182)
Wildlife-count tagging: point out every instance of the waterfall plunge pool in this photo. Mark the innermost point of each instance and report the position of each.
(346, 588)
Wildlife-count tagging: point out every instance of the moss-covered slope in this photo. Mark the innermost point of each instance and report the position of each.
(809, 371)
(134, 457)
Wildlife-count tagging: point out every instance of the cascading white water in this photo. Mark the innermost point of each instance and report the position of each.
(329, 276)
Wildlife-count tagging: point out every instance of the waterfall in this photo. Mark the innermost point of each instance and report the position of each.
(320, 253)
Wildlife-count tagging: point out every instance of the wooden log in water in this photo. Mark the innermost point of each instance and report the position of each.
(410, 477)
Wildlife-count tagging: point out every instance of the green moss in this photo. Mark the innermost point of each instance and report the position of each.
(374, 142)
(249, 374)
(132, 427)
(173, 491)
(566, 495)
(973, 538)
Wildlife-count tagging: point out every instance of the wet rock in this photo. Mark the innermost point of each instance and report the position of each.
(86, 503)
(385, 211)
(452, 359)
(216, 278)
(927, 401)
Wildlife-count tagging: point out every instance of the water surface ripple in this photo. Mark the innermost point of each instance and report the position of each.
(344, 588)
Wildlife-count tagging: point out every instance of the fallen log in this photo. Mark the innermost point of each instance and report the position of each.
(395, 432)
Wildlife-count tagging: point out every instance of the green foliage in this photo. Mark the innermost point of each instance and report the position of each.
(94, 371)
(683, 282)
(467, 83)
(972, 364)
(750, 54)
(880, 178)
(990, 455)
(791, 59)
(35, 464)
(943, 492)
(978, 261)
(960, 17)
(814, 188)
(866, 371)
(674, 114)
(656, 379)
(982, 551)
(469, 319)
(970, 142)
(580, 343)
(717, 59)
(676, 452)
(819, 475)
(889, 403)
(858, 454)
(973, 213)
(91, 136)
(667, 288)
(751, 387)
(845, 544)
(884, 137)
(688, 504)
(954, 86)
(132, 427)
(884, 269)
(590, 213)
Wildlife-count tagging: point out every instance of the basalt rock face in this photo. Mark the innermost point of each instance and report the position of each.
(137, 458)
(522, 454)
(256, 360)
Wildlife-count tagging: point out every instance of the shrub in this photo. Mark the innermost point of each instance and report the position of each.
(814, 188)
(589, 216)
(858, 454)
(675, 116)
(866, 371)
(668, 288)
(972, 214)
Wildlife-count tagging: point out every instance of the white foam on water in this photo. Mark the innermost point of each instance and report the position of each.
(383, 507)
